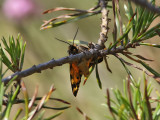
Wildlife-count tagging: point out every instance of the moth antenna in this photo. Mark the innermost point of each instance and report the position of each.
(62, 41)
(75, 36)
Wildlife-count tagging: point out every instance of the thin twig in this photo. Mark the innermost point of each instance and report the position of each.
(105, 23)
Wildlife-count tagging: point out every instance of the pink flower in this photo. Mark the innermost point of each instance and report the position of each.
(19, 9)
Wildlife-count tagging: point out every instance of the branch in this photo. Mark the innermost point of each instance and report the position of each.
(105, 22)
(147, 5)
(92, 53)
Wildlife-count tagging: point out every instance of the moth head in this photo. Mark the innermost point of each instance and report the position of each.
(72, 49)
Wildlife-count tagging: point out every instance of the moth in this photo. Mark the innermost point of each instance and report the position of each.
(78, 68)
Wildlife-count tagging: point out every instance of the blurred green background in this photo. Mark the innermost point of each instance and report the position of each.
(42, 47)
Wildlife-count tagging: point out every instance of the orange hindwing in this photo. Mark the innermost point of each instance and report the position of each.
(78, 68)
(75, 77)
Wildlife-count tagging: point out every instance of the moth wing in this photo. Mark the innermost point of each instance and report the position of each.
(84, 67)
(75, 77)
(82, 48)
